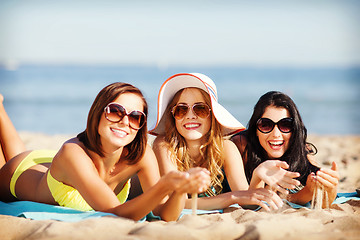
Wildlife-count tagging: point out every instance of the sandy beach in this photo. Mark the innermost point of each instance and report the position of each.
(341, 221)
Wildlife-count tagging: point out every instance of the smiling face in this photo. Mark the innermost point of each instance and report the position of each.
(192, 127)
(275, 143)
(117, 135)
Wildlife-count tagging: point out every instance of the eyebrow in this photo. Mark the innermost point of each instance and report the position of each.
(188, 104)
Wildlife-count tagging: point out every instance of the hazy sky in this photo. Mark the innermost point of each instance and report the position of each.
(295, 33)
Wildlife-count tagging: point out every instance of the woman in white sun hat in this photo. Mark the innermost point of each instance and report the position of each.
(190, 130)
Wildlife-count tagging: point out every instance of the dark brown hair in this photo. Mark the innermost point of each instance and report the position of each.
(91, 138)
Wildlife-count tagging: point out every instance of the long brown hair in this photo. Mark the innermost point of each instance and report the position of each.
(211, 151)
(91, 138)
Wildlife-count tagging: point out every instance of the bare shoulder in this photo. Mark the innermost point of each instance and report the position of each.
(230, 145)
(72, 146)
(148, 157)
(230, 150)
(70, 160)
(71, 151)
(159, 142)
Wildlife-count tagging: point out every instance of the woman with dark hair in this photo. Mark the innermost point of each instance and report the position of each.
(276, 132)
(92, 171)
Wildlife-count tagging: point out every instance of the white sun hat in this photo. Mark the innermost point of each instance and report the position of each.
(229, 124)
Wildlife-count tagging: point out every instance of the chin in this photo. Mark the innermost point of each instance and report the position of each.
(276, 155)
(193, 136)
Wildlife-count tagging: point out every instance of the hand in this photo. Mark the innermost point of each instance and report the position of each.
(329, 178)
(198, 181)
(195, 180)
(311, 183)
(273, 173)
(257, 197)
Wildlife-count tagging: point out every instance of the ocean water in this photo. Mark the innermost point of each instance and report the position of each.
(56, 99)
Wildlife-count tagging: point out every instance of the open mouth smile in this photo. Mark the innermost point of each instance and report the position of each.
(276, 144)
(192, 126)
(119, 132)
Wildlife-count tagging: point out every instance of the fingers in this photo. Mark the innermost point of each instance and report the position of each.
(262, 197)
(197, 180)
(282, 164)
(273, 200)
(292, 175)
(329, 172)
(334, 166)
(286, 182)
(311, 182)
(273, 173)
(328, 179)
(281, 189)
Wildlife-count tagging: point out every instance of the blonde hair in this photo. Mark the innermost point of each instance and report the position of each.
(211, 152)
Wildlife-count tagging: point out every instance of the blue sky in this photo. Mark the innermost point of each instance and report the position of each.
(189, 32)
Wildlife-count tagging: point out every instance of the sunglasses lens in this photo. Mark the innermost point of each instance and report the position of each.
(265, 125)
(285, 125)
(114, 113)
(136, 119)
(201, 110)
(180, 111)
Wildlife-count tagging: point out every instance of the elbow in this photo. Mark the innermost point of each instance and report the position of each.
(125, 214)
(169, 217)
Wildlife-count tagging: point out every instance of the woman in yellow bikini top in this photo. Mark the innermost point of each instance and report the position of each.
(92, 170)
(63, 194)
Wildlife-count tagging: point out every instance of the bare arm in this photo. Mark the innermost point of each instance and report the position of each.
(275, 175)
(75, 168)
(234, 167)
(271, 172)
(329, 178)
(223, 200)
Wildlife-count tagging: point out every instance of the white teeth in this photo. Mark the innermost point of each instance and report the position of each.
(276, 143)
(119, 132)
(192, 125)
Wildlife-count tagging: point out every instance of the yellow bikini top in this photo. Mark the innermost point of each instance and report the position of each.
(68, 196)
(64, 195)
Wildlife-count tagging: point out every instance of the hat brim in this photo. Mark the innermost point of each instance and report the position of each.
(229, 124)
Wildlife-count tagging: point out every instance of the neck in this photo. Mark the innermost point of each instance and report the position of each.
(108, 163)
(194, 152)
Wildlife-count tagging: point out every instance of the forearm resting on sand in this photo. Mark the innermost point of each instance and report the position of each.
(249, 197)
(215, 202)
(140, 206)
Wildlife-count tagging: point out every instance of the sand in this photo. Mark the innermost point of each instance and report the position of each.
(341, 221)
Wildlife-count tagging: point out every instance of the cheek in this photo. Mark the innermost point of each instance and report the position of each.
(101, 125)
(261, 138)
(287, 141)
(178, 126)
(207, 125)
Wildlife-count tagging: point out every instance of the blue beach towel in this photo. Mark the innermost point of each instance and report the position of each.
(340, 198)
(41, 211)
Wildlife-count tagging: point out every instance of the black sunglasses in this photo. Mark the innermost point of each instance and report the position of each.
(201, 110)
(266, 125)
(115, 112)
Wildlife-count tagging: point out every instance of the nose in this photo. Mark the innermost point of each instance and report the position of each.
(276, 131)
(190, 114)
(125, 120)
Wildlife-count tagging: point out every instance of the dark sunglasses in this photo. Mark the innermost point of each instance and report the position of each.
(201, 110)
(115, 112)
(266, 125)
